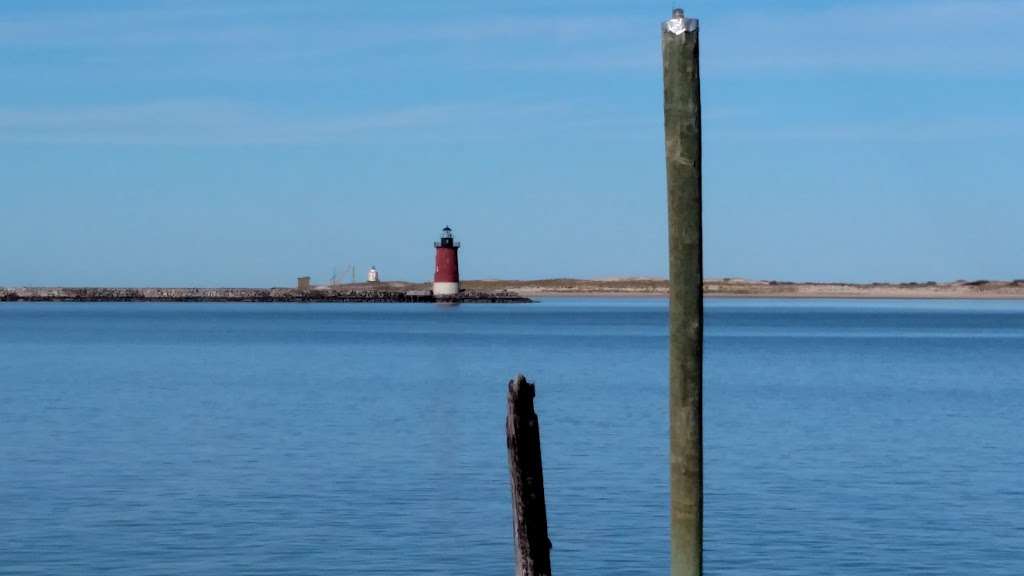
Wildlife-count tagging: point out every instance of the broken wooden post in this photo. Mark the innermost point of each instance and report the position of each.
(680, 49)
(529, 514)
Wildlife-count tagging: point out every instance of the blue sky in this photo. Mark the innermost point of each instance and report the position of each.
(244, 143)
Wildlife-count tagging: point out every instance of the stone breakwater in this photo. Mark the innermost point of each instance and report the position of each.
(245, 295)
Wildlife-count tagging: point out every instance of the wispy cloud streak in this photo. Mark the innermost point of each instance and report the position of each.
(201, 123)
(222, 123)
(924, 35)
(954, 36)
(960, 129)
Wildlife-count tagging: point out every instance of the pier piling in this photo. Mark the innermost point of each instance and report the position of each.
(681, 59)
(529, 513)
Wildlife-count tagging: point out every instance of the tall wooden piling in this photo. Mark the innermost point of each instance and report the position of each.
(681, 58)
(529, 513)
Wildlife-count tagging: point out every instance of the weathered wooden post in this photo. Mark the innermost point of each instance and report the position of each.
(529, 514)
(681, 58)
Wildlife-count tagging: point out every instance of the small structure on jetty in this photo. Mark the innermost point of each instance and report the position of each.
(446, 265)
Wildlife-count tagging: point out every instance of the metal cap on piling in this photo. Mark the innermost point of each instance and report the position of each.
(679, 24)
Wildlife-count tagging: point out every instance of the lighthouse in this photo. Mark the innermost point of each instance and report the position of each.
(446, 268)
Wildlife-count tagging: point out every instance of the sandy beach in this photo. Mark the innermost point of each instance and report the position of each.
(741, 288)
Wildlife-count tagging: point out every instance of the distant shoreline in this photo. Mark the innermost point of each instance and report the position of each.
(524, 290)
(738, 288)
(713, 296)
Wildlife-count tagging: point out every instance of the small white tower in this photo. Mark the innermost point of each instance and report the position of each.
(373, 276)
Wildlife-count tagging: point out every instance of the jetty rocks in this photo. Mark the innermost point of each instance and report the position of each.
(249, 295)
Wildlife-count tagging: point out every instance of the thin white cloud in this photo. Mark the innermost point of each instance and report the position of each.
(953, 36)
(928, 35)
(560, 28)
(200, 123)
(195, 24)
(222, 123)
(963, 129)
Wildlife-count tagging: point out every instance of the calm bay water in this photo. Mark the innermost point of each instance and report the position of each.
(840, 437)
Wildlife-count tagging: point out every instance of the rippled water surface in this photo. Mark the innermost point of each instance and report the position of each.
(840, 437)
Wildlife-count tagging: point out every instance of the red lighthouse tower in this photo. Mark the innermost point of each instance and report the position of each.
(446, 269)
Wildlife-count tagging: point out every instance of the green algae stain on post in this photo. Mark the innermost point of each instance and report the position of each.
(680, 46)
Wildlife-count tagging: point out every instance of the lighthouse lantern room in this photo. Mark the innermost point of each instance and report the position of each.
(446, 268)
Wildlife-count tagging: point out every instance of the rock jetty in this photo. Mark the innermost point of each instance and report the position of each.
(247, 295)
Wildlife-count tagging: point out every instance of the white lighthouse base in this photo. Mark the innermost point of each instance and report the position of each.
(446, 288)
